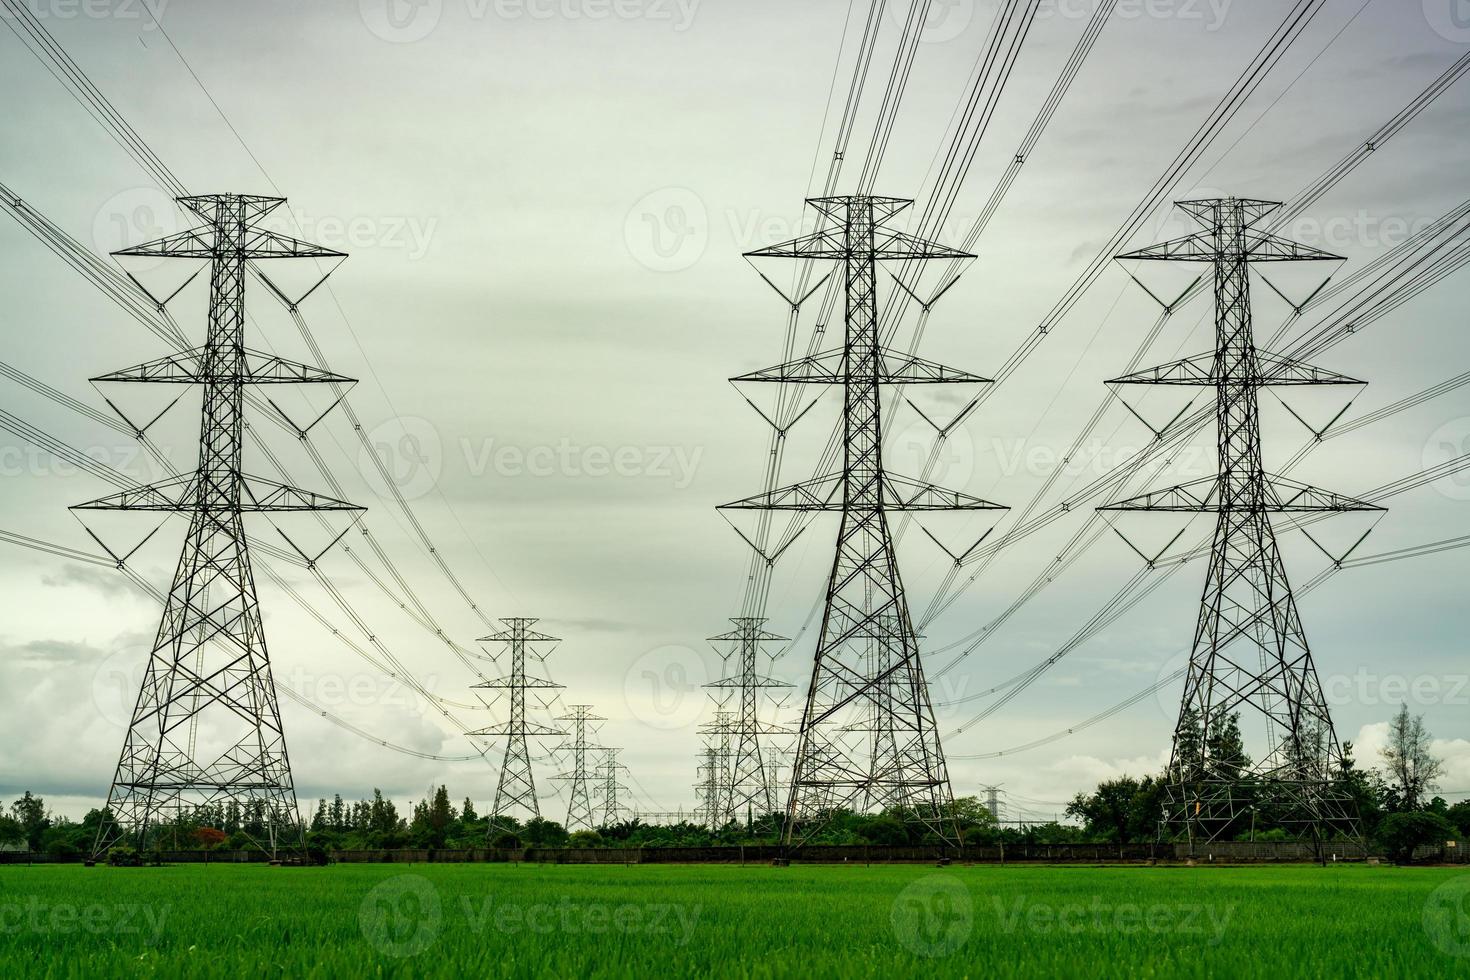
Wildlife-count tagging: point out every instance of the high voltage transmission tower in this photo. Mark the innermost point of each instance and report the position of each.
(579, 806)
(610, 787)
(749, 789)
(714, 788)
(516, 788)
(710, 789)
(206, 731)
(1250, 651)
(867, 657)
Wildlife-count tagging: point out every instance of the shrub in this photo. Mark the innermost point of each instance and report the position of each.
(123, 856)
(1400, 833)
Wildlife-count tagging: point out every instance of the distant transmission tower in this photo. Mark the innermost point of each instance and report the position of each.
(579, 807)
(749, 790)
(207, 726)
(867, 656)
(1249, 650)
(516, 789)
(710, 789)
(613, 812)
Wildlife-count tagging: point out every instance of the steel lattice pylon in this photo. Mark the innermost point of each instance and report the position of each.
(579, 806)
(206, 729)
(748, 787)
(867, 656)
(516, 788)
(710, 790)
(607, 775)
(1249, 651)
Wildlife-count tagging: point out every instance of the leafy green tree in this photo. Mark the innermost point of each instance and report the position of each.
(1400, 833)
(319, 819)
(1189, 757)
(1225, 748)
(30, 812)
(1125, 810)
(11, 832)
(382, 815)
(1108, 810)
(1459, 816)
(540, 832)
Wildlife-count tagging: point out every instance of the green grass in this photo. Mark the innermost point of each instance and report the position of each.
(668, 921)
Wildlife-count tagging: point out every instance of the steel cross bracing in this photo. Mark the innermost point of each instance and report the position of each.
(1250, 653)
(579, 806)
(867, 658)
(206, 730)
(749, 789)
(515, 792)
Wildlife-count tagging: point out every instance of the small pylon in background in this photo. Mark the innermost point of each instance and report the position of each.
(579, 804)
(610, 788)
(711, 786)
(516, 788)
(749, 789)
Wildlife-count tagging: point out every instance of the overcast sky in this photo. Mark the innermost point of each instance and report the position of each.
(545, 202)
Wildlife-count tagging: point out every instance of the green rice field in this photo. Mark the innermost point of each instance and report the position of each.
(723, 921)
